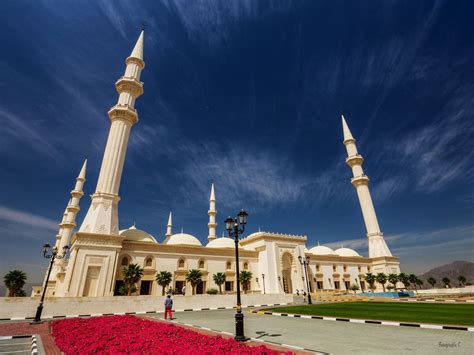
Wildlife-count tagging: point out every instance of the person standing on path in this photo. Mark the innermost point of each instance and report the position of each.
(183, 290)
(168, 307)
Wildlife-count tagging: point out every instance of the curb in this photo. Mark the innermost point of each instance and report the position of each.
(366, 321)
(140, 312)
(34, 345)
(269, 342)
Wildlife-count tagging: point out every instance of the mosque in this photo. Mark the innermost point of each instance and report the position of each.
(99, 249)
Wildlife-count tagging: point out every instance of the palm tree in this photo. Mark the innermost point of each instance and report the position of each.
(163, 278)
(432, 281)
(194, 276)
(419, 282)
(381, 279)
(446, 281)
(412, 278)
(219, 280)
(354, 288)
(370, 278)
(245, 277)
(403, 278)
(131, 275)
(393, 279)
(14, 281)
(462, 280)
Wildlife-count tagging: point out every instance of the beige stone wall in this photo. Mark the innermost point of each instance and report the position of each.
(21, 307)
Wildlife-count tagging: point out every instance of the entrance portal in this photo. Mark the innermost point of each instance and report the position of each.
(286, 262)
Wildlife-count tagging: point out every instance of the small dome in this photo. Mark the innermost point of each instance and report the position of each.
(321, 250)
(222, 242)
(137, 235)
(184, 239)
(346, 252)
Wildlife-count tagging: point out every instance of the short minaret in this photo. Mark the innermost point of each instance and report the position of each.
(212, 225)
(169, 229)
(377, 245)
(102, 216)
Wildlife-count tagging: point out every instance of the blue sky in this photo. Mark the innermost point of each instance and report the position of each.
(248, 95)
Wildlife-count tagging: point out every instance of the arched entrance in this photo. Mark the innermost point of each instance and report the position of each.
(286, 264)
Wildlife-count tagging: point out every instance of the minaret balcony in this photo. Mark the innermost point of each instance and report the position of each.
(354, 160)
(123, 112)
(130, 85)
(360, 180)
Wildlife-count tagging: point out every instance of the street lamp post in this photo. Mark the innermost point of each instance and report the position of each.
(235, 227)
(53, 256)
(305, 262)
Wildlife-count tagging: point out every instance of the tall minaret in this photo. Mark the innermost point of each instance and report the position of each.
(69, 222)
(169, 229)
(212, 225)
(377, 245)
(102, 216)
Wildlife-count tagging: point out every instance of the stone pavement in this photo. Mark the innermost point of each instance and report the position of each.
(337, 337)
(15, 346)
(25, 328)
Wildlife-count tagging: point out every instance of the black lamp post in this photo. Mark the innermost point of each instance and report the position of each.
(53, 256)
(235, 227)
(305, 262)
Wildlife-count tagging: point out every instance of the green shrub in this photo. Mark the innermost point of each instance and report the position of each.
(212, 291)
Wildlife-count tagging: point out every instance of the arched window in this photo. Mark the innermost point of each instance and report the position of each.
(228, 266)
(359, 268)
(246, 266)
(181, 263)
(318, 267)
(345, 268)
(201, 264)
(148, 262)
(124, 261)
(334, 268)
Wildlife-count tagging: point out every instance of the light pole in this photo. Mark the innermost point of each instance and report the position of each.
(305, 262)
(53, 256)
(235, 227)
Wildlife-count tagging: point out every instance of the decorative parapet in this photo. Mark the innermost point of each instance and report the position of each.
(270, 235)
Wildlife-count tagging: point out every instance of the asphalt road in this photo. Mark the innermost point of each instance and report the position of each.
(337, 337)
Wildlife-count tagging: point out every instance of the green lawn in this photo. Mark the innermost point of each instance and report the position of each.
(458, 314)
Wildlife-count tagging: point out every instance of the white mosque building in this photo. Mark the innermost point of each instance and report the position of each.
(99, 249)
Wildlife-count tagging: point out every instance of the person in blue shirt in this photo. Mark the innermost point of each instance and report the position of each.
(168, 307)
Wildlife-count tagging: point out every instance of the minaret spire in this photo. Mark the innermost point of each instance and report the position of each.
(169, 228)
(377, 245)
(102, 217)
(212, 225)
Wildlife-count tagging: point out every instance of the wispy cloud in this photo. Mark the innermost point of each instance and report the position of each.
(26, 219)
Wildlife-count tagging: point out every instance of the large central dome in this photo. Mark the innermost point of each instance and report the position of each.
(183, 239)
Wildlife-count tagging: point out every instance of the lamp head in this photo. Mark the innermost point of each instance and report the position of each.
(229, 223)
(242, 217)
(46, 248)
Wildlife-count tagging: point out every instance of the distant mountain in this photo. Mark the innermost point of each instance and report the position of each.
(451, 271)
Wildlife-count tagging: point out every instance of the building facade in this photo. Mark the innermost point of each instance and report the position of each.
(100, 250)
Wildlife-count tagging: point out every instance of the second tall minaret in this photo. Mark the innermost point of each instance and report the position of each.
(377, 245)
(102, 216)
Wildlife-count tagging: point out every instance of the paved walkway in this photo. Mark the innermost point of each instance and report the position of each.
(25, 328)
(337, 337)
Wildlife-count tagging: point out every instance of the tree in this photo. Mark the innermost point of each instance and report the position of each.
(131, 275)
(432, 281)
(370, 278)
(194, 276)
(14, 281)
(403, 278)
(419, 282)
(354, 288)
(219, 280)
(412, 278)
(462, 280)
(245, 277)
(381, 279)
(446, 281)
(163, 278)
(393, 279)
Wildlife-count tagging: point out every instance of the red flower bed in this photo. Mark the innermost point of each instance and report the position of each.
(133, 335)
